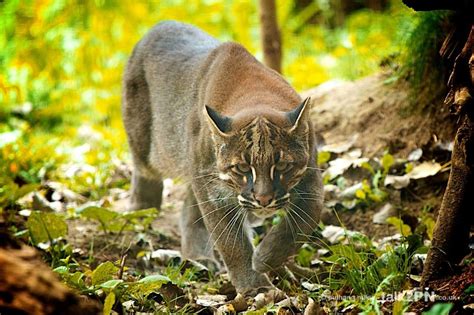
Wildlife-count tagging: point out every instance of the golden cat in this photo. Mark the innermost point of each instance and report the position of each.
(240, 136)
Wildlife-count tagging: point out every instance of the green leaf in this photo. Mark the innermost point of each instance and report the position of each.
(104, 216)
(103, 273)
(360, 194)
(147, 285)
(61, 270)
(111, 284)
(430, 225)
(305, 255)
(376, 179)
(469, 289)
(387, 162)
(398, 307)
(404, 229)
(439, 309)
(45, 227)
(367, 166)
(77, 279)
(154, 279)
(25, 189)
(141, 214)
(109, 303)
(323, 157)
(119, 224)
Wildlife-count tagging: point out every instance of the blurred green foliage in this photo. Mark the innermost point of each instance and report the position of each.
(62, 61)
(420, 63)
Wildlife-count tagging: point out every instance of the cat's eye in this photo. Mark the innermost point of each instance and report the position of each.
(282, 166)
(242, 168)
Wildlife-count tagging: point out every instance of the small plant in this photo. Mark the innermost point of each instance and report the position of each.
(357, 267)
(372, 190)
(115, 222)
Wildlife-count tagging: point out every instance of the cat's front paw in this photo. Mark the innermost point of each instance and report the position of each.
(271, 296)
(257, 298)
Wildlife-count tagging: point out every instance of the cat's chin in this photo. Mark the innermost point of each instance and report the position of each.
(264, 213)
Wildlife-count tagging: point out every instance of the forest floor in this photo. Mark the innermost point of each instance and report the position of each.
(384, 174)
(384, 178)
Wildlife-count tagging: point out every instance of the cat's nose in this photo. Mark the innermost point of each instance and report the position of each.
(264, 200)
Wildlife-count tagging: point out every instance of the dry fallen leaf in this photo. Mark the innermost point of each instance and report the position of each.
(425, 169)
(312, 308)
(340, 147)
(415, 155)
(397, 182)
(215, 300)
(165, 256)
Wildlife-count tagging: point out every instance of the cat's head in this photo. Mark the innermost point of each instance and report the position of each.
(262, 154)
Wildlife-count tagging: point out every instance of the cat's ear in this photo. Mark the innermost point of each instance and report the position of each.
(300, 115)
(220, 124)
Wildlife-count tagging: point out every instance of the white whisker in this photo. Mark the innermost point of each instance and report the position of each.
(217, 225)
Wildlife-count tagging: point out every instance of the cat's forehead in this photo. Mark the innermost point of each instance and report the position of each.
(262, 141)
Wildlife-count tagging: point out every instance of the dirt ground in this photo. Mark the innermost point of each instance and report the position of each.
(375, 114)
(378, 115)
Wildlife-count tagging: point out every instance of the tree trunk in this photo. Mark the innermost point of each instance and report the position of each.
(377, 5)
(270, 34)
(451, 235)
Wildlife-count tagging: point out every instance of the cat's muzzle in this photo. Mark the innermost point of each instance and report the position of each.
(267, 211)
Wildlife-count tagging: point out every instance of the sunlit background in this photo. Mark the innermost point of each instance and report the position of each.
(61, 64)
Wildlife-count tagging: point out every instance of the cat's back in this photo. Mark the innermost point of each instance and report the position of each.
(159, 85)
(174, 43)
(170, 55)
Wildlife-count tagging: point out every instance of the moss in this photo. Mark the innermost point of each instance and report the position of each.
(422, 66)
